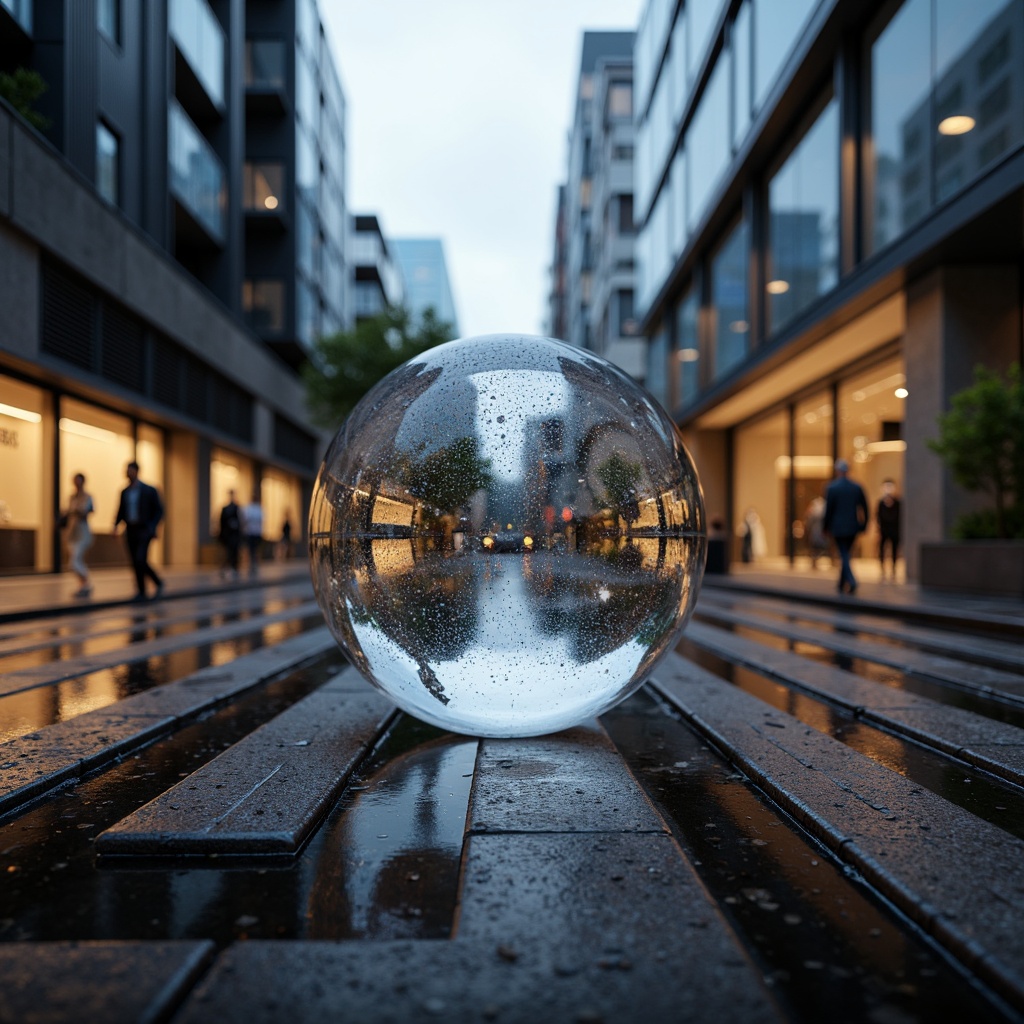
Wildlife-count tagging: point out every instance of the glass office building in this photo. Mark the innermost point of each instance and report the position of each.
(830, 204)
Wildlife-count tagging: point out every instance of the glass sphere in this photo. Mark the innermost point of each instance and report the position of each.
(506, 534)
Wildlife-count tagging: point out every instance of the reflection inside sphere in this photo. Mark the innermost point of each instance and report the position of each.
(506, 534)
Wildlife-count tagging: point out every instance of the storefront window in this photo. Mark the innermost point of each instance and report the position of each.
(228, 472)
(149, 454)
(281, 497)
(871, 416)
(731, 330)
(803, 196)
(812, 468)
(26, 502)
(98, 444)
(760, 485)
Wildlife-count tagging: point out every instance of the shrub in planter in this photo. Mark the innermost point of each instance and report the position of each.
(981, 440)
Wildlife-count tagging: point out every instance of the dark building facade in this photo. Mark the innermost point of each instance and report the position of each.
(172, 241)
(377, 279)
(830, 202)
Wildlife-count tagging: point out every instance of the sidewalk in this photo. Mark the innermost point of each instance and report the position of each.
(1003, 614)
(23, 597)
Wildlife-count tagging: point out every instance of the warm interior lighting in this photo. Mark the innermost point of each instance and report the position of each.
(804, 466)
(956, 124)
(19, 414)
(739, 327)
(567, 513)
(688, 355)
(270, 202)
(878, 447)
(488, 542)
(87, 430)
(901, 392)
(777, 287)
(527, 542)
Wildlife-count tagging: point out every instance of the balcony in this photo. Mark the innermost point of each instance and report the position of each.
(197, 177)
(200, 42)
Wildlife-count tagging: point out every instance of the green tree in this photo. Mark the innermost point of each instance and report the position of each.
(346, 365)
(447, 477)
(21, 89)
(620, 478)
(981, 440)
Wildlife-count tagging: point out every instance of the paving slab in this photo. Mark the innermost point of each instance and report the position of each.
(266, 793)
(952, 670)
(953, 730)
(69, 668)
(1008, 653)
(99, 982)
(33, 764)
(572, 781)
(934, 860)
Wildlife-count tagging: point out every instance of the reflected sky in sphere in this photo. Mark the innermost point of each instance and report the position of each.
(506, 534)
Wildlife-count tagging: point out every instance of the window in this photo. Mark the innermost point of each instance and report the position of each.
(657, 358)
(264, 64)
(263, 305)
(688, 348)
(803, 230)
(263, 187)
(707, 142)
(107, 164)
(776, 29)
(620, 100)
(627, 325)
(108, 19)
(741, 56)
(944, 104)
(731, 333)
(626, 226)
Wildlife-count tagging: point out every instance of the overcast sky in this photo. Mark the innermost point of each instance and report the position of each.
(458, 113)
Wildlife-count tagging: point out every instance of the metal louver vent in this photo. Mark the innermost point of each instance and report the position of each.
(68, 323)
(122, 358)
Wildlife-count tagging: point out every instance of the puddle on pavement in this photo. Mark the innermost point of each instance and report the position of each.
(984, 795)
(28, 710)
(384, 864)
(828, 947)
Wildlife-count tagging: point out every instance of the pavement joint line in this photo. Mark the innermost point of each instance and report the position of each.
(36, 676)
(275, 660)
(999, 973)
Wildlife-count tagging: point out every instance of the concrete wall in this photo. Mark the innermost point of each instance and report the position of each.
(957, 317)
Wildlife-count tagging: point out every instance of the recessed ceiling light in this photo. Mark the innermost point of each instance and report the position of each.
(956, 124)
(777, 287)
(901, 392)
(688, 355)
(270, 202)
(739, 327)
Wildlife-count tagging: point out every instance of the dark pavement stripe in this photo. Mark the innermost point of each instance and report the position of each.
(266, 793)
(957, 876)
(32, 764)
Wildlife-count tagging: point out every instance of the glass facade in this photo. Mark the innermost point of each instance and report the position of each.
(947, 101)
(803, 224)
(687, 353)
(777, 27)
(201, 40)
(21, 10)
(197, 177)
(729, 302)
(108, 19)
(707, 143)
(263, 305)
(263, 187)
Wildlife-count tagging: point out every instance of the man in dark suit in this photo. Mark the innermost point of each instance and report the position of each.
(141, 510)
(846, 515)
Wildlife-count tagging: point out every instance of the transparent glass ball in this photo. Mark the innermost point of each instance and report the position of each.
(506, 535)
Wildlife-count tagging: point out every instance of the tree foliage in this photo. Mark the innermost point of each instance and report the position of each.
(981, 440)
(344, 366)
(21, 88)
(620, 477)
(448, 476)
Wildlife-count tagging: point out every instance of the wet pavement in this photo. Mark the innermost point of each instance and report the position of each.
(786, 824)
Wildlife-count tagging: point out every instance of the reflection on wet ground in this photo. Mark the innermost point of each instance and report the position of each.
(28, 710)
(977, 791)
(982, 703)
(829, 948)
(384, 864)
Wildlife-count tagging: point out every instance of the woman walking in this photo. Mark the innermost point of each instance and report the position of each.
(79, 536)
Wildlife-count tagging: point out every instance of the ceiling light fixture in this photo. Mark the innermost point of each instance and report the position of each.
(901, 392)
(956, 124)
(777, 287)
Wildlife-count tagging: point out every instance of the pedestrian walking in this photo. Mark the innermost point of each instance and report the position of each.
(141, 510)
(230, 535)
(814, 530)
(252, 531)
(846, 515)
(79, 534)
(284, 547)
(887, 515)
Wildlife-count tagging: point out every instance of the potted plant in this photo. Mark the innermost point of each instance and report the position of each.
(981, 441)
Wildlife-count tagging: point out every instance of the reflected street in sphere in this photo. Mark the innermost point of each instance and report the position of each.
(506, 534)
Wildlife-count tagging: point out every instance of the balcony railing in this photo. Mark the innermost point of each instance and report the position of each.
(197, 176)
(200, 39)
